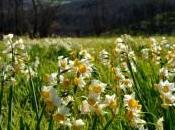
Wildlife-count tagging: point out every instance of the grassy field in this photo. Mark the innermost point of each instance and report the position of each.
(103, 83)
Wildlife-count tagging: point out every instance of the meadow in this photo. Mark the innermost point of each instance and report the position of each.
(92, 83)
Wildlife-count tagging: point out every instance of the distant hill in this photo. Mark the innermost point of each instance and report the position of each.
(85, 17)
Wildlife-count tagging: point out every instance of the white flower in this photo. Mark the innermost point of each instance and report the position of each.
(82, 67)
(159, 124)
(61, 114)
(139, 123)
(98, 109)
(109, 99)
(85, 108)
(9, 36)
(53, 78)
(97, 87)
(131, 55)
(111, 102)
(77, 124)
(36, 63)
(80, 82)
(119, 40)
(134, 111)
(93, 98)
(67, 99)
(63, 63)
(128, 98)
(164, 72)
(126, 84)
(104, 57)
(118, 73)
(50, 96)
(145, 53)
(63, 110)
(85, 55)
(153, 40)
(166, 87)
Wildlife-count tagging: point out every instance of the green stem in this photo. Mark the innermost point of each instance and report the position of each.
(94, 125)
(10, 104)
(10, 99)
(2, 90)
(51, 123)
(40, 118)
(135, 84)
(34, 94)
(108, 124)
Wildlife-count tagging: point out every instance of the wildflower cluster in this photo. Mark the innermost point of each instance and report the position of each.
(134, 111)
(119, 87)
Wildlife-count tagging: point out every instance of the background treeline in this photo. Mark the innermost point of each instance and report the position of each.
(86, 17)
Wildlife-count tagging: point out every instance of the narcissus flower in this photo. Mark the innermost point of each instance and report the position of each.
(126, 84)
(166, 90)
(97, 87)
(131, 103)
(163, 72)
(61, 114)
(80, 82)
(118, 74)
(9, 36)
(133, 111)
(77, 124)
(111, 102)
(159, 124)
(104, 57)
(50, 97)
(63, 63)
(145, 53)
(85, 55)
(166, 87)
(82, 68)
(85, 108)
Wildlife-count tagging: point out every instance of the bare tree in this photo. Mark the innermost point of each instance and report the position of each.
(35, 24)
(98, 17)
(16, 16)
(1, 16)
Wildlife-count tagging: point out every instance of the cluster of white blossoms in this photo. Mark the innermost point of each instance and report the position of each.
(145, 53)
(95, 103)
(125, 52)
(133, 108)
(166, 72)
(167, 95)
(76, 72)
(155, 50)
(104, 57)
(124, 83)
(152, 50)
(121, 46)
(170, 57)
(80, 68)
(57, 106)
(17, 58)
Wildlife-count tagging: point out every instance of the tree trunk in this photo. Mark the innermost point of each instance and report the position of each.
(1, 17)
(16, 16)
(22, 17)
(35, 26)
(9, 29)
